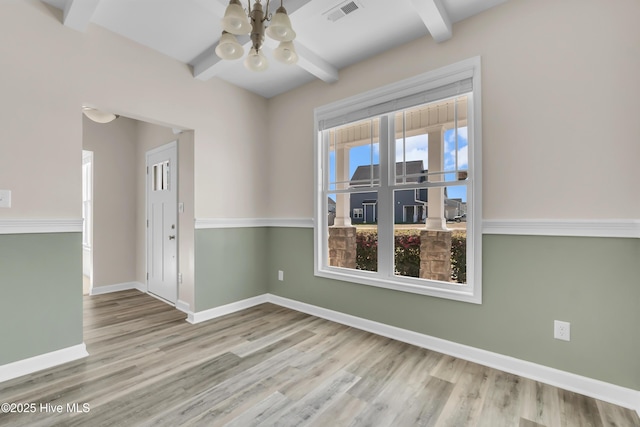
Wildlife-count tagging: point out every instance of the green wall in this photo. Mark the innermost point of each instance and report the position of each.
(230, 265)
(528, 282)
(41, 302)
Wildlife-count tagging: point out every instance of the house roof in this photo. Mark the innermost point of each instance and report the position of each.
(363, 173)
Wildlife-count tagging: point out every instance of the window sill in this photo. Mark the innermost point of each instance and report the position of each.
(465, 293)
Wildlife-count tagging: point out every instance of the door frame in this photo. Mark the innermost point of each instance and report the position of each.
(172, 144)
(87, 226)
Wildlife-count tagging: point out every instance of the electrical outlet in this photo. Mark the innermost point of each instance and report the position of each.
(280, 275)
(5, 198)
(562, 330)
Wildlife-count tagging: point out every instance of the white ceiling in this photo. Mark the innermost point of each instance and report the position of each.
(188, 31)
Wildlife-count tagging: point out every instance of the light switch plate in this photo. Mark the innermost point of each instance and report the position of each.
(5, 198)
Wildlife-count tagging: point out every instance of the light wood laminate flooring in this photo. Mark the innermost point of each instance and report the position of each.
(272, 366)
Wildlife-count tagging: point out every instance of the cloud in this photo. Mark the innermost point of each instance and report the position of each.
(463, 156)
(415, 148)
(449, 138)
(463, 149)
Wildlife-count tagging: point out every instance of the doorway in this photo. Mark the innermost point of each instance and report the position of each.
(162, 221)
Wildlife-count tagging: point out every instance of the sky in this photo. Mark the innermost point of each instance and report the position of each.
(416, 149)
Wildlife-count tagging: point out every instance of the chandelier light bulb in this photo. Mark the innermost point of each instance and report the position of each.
(280, 28)
(235, 19)
(228, 47)
(286, 53)
(256, 61)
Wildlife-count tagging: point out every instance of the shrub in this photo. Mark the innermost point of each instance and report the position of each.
(407, 253)
(459, 257)
(367, 250)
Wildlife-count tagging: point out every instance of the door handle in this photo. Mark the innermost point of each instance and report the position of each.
(172, 237)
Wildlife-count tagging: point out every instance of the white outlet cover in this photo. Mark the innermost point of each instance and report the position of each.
(562, 330)
(5, 198)
(280, 275)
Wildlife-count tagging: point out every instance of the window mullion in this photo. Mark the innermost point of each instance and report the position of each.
(385, 198)
(326, 142)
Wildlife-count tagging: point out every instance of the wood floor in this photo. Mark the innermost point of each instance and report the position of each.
(269, 365)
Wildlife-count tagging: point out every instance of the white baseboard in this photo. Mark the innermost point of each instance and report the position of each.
(43, 361)
(183, 306)
(601, 390)
(99, 290)
(212, 313)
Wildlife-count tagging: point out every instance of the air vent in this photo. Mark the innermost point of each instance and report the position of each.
(342, 10)
(349, 7)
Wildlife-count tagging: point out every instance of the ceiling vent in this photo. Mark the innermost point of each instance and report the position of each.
(342, 10)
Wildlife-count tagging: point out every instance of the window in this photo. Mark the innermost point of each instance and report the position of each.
(160, 175)
(403, 165)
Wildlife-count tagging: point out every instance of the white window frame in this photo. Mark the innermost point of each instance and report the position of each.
(385, 277)
(358, 213)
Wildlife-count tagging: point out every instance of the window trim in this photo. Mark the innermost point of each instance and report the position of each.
(463, 70)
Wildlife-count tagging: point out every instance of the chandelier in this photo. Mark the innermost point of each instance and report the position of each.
(237, 21)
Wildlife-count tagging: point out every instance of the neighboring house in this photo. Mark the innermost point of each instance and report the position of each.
(331, 211)
(410, 205)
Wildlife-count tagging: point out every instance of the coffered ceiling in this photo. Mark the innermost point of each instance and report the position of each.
(331, 34)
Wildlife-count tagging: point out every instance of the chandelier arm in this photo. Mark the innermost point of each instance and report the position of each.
(267, 15)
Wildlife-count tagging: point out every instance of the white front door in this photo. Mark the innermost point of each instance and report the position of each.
(162, 224)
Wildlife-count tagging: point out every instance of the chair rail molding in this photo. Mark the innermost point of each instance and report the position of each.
(207, 223)
(626, 228)
(40, 225)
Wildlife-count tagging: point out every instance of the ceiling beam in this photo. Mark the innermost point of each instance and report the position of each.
(316, 66)
(435, 18)
(310, 62)
(207, 64)
(78, 13)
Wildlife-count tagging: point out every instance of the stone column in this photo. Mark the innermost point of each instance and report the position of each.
(342, 247)
(435, 255)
